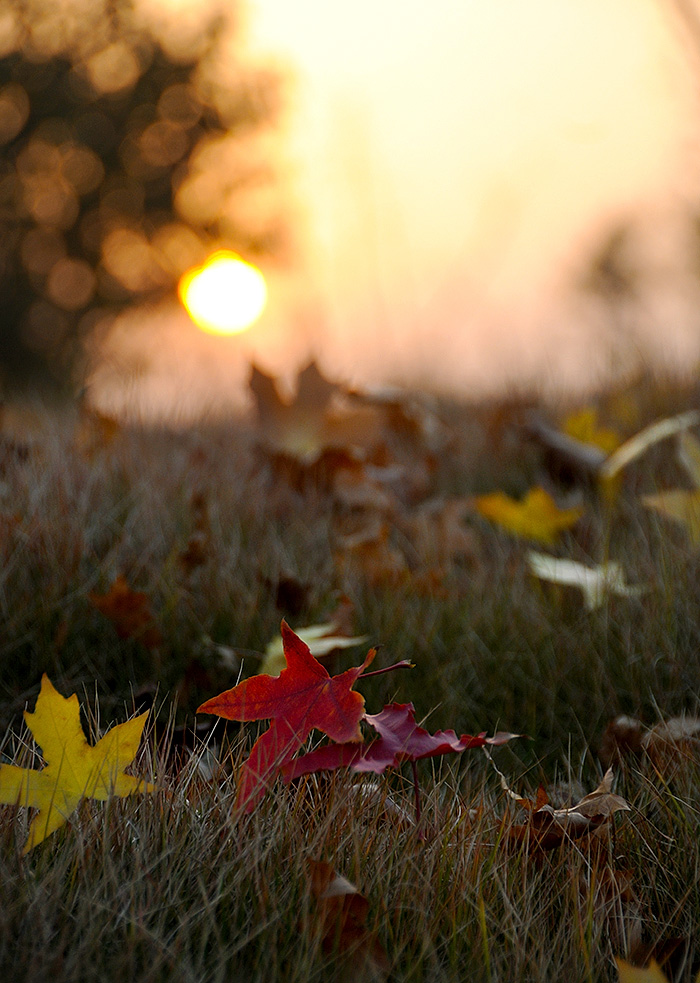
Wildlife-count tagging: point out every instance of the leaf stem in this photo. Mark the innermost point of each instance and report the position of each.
(404, 664)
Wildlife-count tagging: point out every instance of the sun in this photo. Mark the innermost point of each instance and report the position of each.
(225, 295)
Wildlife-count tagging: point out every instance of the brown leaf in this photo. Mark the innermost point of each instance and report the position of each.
(343, 915)
(437, 532)
(369, 551)
(195, 553)
(356, 488)
(95, 430)
(549, 827)
(674, 738)
(670, 739)
(292, 596)
(129, 611)
(319, 418)
(197, 550)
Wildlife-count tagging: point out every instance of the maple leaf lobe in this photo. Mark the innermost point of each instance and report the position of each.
(303, 697)
(73, 768)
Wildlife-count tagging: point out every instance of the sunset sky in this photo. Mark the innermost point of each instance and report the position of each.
(455, 160)
(452, 166)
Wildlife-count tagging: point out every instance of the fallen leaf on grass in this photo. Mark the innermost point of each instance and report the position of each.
(595, 582)
(627, 973)
(319, 418)
(363, 487)
(584, 427)
(668, 740)
(343, 915)
(536, 516)
(74, 770)
(400, 739)
(129, 611)
(320, 639)
(368, 550)
(673, 736)
(438, 534)
(198, 547)
(547, 827)
(646, 438)
(680, 504)
(303, 697)
(411, 416)
(95, 430)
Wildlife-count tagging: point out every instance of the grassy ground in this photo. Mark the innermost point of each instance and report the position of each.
(177, 885)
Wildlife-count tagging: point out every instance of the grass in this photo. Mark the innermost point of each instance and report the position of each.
(179, 886)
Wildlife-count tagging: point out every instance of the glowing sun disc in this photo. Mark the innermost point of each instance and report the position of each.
(224, 295)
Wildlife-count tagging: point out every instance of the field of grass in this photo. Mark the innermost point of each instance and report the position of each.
(178, 885)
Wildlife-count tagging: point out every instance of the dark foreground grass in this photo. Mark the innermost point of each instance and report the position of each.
(178, 886)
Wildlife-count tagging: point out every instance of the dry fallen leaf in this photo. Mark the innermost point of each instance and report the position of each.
(646, 438)
(95, 430)
(361, 487)
(548, 827)
(129, 611)
(679, 504)
(536, 516)
(437, 532)
(596, 583)
(321, 640)
(343, 915)
(74, 770)
(368, 550)
(321, 417)
(667, 741)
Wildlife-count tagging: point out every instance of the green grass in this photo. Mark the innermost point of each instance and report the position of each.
(179, 886)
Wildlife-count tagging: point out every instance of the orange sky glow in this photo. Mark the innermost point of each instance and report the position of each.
(452, 164)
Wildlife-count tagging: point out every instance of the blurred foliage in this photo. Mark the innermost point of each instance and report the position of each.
(132, 143)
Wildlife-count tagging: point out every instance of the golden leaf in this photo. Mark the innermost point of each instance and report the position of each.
(537, 516)
(74, 769)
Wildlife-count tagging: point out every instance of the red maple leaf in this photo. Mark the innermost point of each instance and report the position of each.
(304, 696)
(400, 739)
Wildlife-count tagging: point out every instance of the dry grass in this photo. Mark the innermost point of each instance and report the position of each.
(178, 886)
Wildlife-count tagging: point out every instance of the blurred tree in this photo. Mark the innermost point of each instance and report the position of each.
(132, 143)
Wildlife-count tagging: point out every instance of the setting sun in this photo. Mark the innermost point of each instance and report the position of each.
(225, 295)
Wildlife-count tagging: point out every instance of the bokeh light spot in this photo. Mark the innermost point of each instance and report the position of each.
(14, 111)
(114, 68)
(225, 295)
(71, 284)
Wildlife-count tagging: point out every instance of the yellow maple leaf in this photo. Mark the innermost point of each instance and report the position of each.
(583, 426)
(636, 974)
(537, 516)
(74, 769)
